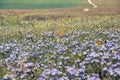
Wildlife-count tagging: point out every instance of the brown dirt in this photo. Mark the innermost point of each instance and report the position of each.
(101, 11)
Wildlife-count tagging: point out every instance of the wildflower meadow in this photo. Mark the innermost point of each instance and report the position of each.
(59, 46)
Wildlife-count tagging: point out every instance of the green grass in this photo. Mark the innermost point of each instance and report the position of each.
(38, 4)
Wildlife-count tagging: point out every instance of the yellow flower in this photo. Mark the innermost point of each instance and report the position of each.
(108, 63)
(17, 30)
(6, 76)
(0, 28)
(98, 43)
(113, 51)
(79, 55)
(59, 33)
(57, 40)
(11, 35)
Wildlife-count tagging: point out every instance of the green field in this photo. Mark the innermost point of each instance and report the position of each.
(38, 4)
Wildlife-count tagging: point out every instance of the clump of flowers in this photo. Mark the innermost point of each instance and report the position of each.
(62, 57)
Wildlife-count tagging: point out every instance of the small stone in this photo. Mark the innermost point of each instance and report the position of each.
(86, 9)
